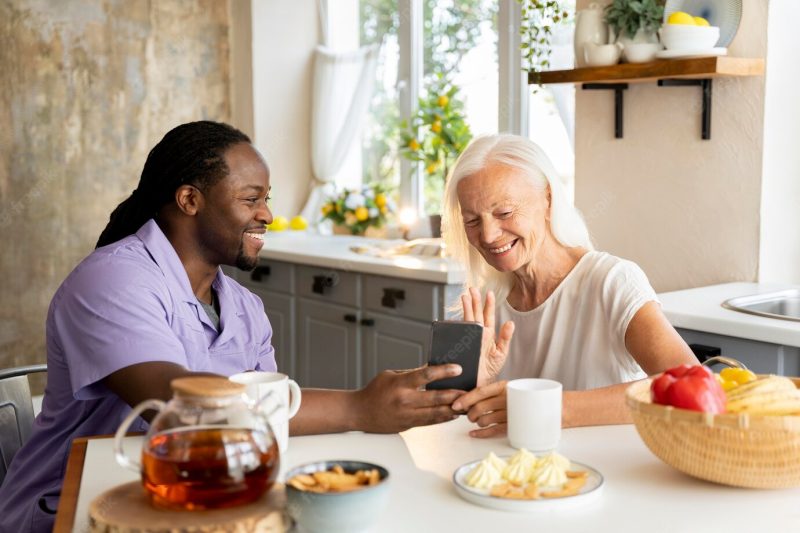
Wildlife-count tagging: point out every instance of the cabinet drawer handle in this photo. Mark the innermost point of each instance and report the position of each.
(390, 297)
(368, 322)
(260, 272)
(703, 352)
(321, 283)
(350, 318)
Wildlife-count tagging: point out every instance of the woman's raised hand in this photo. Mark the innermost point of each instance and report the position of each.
(494, 346)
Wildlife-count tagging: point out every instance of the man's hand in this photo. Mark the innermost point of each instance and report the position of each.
(395, 400)
(493, 350)
(486, 406)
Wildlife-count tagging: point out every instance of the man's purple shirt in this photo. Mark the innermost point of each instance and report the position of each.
(129, 302)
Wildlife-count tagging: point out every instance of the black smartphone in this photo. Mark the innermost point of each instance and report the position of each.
(456, 342)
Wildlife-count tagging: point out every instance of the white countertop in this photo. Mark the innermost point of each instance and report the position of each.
(333, 251)
(640, 494)
(701, 309)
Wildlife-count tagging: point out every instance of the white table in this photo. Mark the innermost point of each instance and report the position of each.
(641, 494)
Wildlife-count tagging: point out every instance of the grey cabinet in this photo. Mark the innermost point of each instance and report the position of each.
(760, 357)
(336, 328)
(327, 345)
(274, 283)
(280, 311)
(391, 343)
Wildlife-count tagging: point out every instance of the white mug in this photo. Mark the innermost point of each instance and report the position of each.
(283, 407)
(534, 414)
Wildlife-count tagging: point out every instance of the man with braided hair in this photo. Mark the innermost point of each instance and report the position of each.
(151, 304)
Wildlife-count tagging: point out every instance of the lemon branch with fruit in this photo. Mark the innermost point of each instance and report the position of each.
(436, 135)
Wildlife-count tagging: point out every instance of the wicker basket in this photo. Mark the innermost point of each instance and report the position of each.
(732, 449)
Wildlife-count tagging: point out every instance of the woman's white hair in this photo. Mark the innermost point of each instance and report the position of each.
(520, 153)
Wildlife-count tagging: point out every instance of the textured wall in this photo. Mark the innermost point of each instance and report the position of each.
(685, 209)
(87, 87)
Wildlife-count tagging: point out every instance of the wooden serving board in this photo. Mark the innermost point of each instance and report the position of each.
(127, 509)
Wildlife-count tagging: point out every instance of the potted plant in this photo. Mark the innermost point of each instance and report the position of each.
(539, 19)
(635, 21)
(437, 134)
(359, 212)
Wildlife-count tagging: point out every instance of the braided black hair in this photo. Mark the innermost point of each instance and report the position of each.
(190, 154)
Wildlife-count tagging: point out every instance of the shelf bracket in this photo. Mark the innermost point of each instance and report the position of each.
(617, 88)
(705, 84)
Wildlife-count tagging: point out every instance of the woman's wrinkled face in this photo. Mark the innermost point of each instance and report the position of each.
(504, 214)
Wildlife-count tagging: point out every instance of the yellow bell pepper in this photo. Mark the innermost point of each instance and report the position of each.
(730, 378)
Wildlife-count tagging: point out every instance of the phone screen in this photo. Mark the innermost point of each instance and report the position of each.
(456, 342)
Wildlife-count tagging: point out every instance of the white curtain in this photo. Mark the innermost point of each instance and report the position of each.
(343, 84)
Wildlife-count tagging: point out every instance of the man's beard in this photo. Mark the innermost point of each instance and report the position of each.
(243, 262)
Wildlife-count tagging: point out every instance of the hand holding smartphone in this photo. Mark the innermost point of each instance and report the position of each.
(456, 342)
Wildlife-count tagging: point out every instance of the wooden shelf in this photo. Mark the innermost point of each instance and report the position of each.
(669, 72)
(701, 67)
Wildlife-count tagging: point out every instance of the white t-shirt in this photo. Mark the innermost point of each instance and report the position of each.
(577, 335)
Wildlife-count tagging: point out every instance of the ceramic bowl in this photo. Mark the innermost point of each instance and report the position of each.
(601, 55)
(337, 512)
(685, 37)
(641, 52)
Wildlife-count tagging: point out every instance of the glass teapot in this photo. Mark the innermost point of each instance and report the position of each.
(208, 447)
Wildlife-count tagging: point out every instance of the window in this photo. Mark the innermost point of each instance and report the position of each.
(379, 22)
(458, 47)
(551, 109)
(428, 45)
(460, 50)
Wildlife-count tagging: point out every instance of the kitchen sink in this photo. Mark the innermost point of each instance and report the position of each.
(780, 304)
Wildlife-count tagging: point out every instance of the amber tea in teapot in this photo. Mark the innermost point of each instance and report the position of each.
(193, 468)
(207, 448)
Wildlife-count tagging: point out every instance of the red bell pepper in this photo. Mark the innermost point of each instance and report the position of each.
(691, 387)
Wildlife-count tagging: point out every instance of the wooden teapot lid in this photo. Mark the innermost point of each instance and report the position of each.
(207, 386)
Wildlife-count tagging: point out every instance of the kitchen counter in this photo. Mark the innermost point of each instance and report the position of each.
(701, 309)
(334, 251)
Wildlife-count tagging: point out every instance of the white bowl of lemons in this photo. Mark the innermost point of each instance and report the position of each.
(685, 32)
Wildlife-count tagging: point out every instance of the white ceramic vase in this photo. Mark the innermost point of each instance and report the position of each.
(641, 37)
(590, 26)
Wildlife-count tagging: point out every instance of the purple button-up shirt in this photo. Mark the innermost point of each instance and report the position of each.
(129, 302)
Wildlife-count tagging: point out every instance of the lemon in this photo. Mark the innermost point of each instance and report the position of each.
(380, 199)
(436, 127)
(442, 100)
(413, 144)
(279, 223)
(298, 223)
(327, 208)
(362, 213)
(700, 21)
(679, 17)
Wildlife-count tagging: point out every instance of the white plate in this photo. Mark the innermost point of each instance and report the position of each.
(726, 14)
(685, 54)
(588, 493)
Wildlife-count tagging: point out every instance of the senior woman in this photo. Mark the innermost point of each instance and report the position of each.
(581, 317)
